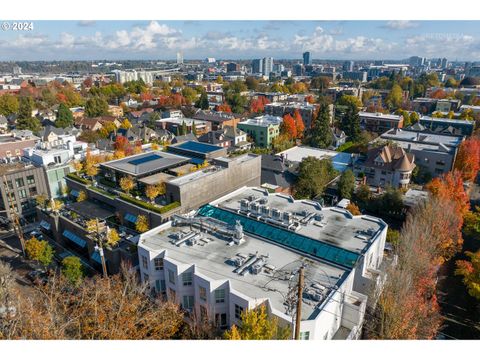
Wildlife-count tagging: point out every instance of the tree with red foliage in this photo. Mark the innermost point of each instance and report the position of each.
(288, 127)
(438, 94)
(224, 107)
(450, 186)
(258, 105)
(122, 144)
(173, 100)
(61, 98)
(310, 99)
(300, 126)
(468, 159)
(146, 96)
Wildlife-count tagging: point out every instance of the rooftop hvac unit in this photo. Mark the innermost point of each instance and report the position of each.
(313, 295)
(263, 200)
(287, 217)
(319, 217)
(265, 210)
(254, 207)
(318, 286)
(238, 261)
(257, 267)
(269, 268)
(276, 214)
(252, 198)
(244, 205)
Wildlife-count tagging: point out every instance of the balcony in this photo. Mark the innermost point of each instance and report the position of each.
(354, 307)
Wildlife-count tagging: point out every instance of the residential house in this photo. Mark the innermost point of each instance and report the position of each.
(263, 129)
(387, 165)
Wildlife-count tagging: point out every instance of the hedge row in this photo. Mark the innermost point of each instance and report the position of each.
(149, 206)
(75, 177)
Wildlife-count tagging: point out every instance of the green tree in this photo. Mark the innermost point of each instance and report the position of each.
(350, 123)
(252, 83)
(321, 134)
(39, 250)
(8, 104)
(237, 102)
(349, 100)
(25, 119)
(346, 184)
(202, 102)
(194, 129)
(414, 117)
(72, 269)
(96, 106)
(395, 97)
(257, 325)
(313, 176)
(470, 270)
(189, 94)
(64, 116)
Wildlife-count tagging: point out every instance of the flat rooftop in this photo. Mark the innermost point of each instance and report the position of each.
(181, 120)
(210, 170)
(336, 227)
(264, 120)
(212, 260)
(378, 115)
(90, 210)
(340, 160)
(422, 141)
(447, 121)
(146, 162)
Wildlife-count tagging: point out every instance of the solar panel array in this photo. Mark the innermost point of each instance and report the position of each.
(145, 159)
(315, 248)
(198, 147)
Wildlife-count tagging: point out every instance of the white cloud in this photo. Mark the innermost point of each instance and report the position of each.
(400, 24)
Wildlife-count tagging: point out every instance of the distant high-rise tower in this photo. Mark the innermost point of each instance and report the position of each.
(306, 58)
(257, 66)
(17, 70)
(348, 65)
(267, 66)
(179, 57)
(444, 63)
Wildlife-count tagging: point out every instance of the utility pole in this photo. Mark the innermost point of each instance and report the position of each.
(99, 248)
(298, 318)
(14, 215)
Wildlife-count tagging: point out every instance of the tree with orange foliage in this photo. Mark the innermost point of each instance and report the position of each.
(449, 186)
(258, 105)
(123, 145)
(468, 159)
(223, 107)
(438, 94)
(300, 126)
(288, 127)
(115, 308)
(310, 99)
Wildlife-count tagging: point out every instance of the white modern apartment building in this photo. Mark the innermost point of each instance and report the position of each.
(245, 250)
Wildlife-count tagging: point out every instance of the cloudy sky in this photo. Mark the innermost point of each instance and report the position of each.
(88, 40)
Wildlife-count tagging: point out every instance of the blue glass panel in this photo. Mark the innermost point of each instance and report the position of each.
(198, 147)
(145, 159)
(74, 238)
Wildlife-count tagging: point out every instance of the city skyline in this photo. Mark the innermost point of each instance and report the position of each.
(146, 40)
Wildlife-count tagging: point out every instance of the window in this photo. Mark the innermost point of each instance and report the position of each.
(22, 193)
(171, 277)
(18, 152)
(144, 262)
(172, 296)
(238, 311)
(221, 320)
(160, 286)
(19, 182)
(10, 184)
(203, 293)
(440, 162)
(146, 279)
(187, 278)
(30, 179)
(219, 296)
(188, 302)
(57, 159)
(33, 191)
(158, 264)
(203, 313)
(305, 335)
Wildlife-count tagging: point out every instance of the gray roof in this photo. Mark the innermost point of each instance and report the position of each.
(148, 162)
